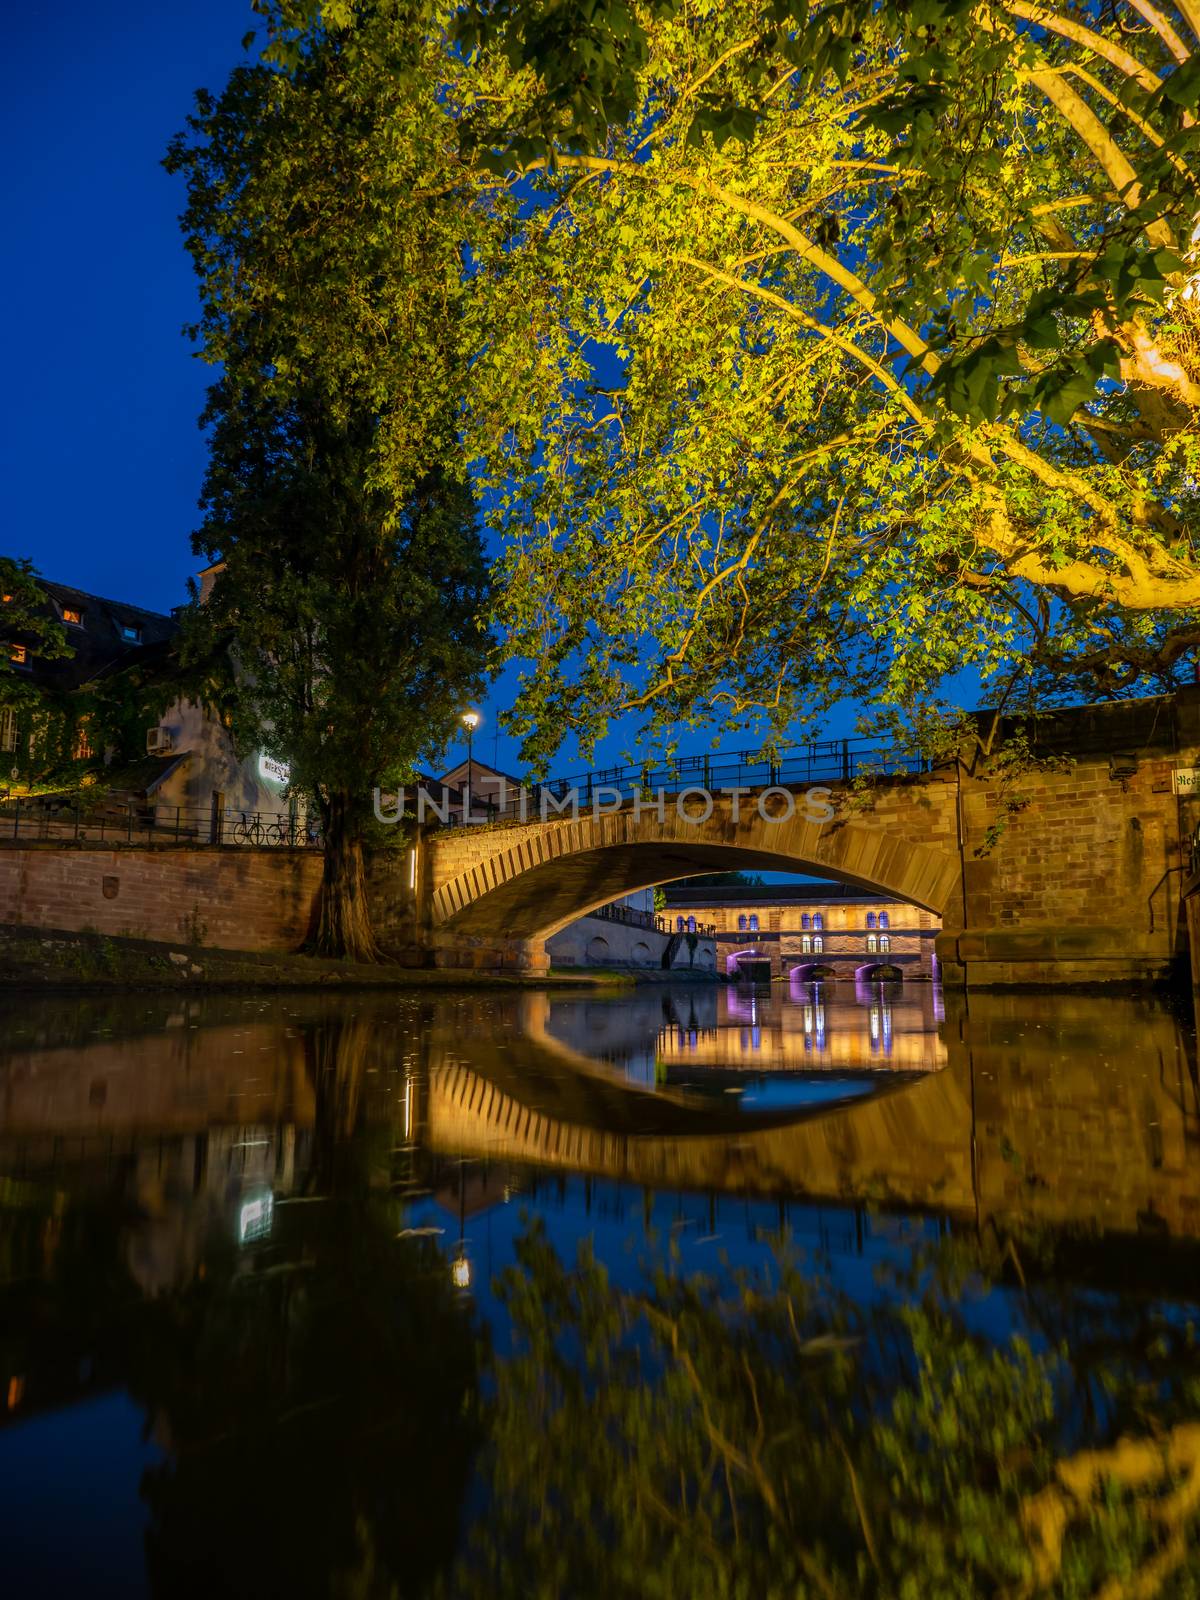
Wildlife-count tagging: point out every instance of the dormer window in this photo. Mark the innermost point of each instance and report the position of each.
(131, 633)
(73, 616)
(18, 654)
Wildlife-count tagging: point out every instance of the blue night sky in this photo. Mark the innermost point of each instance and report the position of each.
(102, 457)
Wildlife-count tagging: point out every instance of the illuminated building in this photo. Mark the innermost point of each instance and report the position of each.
(809, 930)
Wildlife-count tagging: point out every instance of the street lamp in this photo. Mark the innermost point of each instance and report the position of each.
(470, 721)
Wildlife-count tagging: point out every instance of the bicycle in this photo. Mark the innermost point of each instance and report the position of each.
(248, 830)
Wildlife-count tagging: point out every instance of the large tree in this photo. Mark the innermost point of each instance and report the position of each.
(326, 221)
(841, 349)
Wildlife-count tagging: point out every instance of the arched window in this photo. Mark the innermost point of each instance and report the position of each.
(818, 944)
(753, 923)
(872, 943)
(883, 919)
(818, 920)
(805, 920)
(806, 944)
(691, 928)
(678, 924)
(742, 923)
(885, 944)
(870, 919)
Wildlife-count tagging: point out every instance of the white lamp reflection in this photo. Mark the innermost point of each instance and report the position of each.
(256, 1216)
(460, 1267)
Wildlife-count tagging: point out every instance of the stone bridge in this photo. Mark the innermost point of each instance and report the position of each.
(1068, 873)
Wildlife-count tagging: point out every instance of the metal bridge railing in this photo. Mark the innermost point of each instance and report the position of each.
(831, 761)
(41, 818)
(631, 917)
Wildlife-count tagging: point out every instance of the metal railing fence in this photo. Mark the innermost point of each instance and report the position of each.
(830, 761)
(41, 818)
(631, 917)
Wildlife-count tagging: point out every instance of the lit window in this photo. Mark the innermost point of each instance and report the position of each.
(754, 924)
(81, 750)
(806, 944)
(818, 945)
(883, 919)
(742, 923)
(131, 633)
(872, 943)
(870, 919)
(18, 655)
(678, 924)
(7, 598)
(818, 920)
(72, 616)
(8, 728)
(805, 920)
(885, 944)
(691, 927)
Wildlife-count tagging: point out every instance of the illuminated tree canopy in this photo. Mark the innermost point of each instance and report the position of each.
(835, 352)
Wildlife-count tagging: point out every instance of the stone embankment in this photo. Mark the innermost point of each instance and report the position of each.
(37, 959)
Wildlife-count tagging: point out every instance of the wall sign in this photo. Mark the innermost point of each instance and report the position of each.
(1185, 780)
(274, 771)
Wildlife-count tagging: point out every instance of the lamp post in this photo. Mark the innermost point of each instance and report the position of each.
(470, 721)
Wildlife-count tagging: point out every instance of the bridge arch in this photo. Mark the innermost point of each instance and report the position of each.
(735, 958)
(526, 881)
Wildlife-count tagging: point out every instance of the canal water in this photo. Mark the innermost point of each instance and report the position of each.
(794, 1290)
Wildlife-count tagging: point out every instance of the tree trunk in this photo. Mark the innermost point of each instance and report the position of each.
(344, 925)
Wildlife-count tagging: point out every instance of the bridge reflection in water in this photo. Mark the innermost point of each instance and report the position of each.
(1054, 1108)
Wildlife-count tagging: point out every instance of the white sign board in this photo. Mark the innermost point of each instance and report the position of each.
(1185, 780)
(274, 771)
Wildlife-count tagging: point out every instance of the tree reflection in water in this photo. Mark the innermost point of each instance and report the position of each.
(313, 1394)
(313, 1375)
(738, 1435)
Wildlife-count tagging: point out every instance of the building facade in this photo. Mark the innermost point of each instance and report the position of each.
(106, 716)
(829, 930)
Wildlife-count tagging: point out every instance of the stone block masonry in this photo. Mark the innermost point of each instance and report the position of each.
(230, 899)
(1069, 873)
(1064, 871)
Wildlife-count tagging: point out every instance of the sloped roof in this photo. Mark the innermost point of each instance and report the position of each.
(98, 644)
(776, 894)
(143, 777)
(479, 769)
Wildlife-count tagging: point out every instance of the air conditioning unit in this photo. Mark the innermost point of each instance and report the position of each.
(158, 741)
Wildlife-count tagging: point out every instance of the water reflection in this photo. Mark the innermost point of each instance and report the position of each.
(656, 1035)
(271, 1229)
